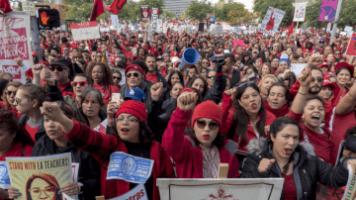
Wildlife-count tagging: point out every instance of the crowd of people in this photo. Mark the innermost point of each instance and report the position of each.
(240, 104)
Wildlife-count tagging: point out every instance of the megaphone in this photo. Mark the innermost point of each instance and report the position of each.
(190, 57)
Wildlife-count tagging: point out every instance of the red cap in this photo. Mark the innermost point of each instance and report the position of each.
(134, 67)
(345, 65)
(327, 82)
(324, 65)
(135, 108)
(207, 109)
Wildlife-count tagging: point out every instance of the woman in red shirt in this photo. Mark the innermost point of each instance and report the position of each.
(14, 141)
(100, 76)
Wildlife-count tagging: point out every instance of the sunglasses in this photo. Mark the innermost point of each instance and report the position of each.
(9, 93)
(116, 77)
(129, 75)
(79, 83)
(55, 67)
(202, 124)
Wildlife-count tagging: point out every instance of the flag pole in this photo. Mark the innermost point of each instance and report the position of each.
(337, 14)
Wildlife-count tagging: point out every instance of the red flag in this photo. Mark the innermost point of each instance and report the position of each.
(5, 6)
(116, 6)
(291, 29)
(98, 9)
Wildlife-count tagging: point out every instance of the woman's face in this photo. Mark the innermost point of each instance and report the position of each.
(79, 83)
(175, 79)
(10, 94)
(97, 74)
(128, 127)
(22, 102)
(40, 189)
(265, 70)
(251, 101)
(133, 78)
(277, 97)
(285, 141)
(91, 106)
(314, 113)
(343, 77)
(116, 78)
(176, 89)
(205, 131)
(199, 85)
(266, 84)
(54, 130)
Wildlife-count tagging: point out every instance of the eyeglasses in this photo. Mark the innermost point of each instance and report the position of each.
(55, 67)
(129, 75)
(17, 101)
(116, 77)
(203, 123)
(79, 83)
(9, 93)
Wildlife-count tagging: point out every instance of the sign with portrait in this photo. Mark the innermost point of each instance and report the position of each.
(272, 21)
(34, 176)
(299, 12)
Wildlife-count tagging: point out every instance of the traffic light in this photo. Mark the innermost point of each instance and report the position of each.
(48, 18)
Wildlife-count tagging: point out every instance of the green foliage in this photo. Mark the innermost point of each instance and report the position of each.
(234, 13)
(348, 13)
(261, 7)
(130, 11)
(77, 10)
(199, 10)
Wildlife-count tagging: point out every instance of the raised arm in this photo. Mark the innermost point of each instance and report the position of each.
(348, 102)
(303, 92)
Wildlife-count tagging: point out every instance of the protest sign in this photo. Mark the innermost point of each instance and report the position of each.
(66, 197)
(85, 31)
(138, 193)
(350, 191)
(4, 176)
(299, 12)
(28, 174)
(227, 189)
(351, 48)
(328, 10)
(15, 36)
(272, 20)
(129, 168)
(348, 30)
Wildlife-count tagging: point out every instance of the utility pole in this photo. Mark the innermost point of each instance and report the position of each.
(337, 14)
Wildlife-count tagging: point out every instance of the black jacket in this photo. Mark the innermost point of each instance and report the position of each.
(89, 170)
(308, 171)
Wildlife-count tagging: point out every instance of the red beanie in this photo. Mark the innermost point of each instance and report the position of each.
(135, 108)
(135, 67)
(207, 109)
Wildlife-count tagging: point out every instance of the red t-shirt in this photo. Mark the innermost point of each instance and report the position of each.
(289, 188)
(32, 131)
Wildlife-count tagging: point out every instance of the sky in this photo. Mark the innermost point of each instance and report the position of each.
(248, 3)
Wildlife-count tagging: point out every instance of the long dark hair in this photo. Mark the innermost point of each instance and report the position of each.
(107, 74)
(169, 79)
(241, 118)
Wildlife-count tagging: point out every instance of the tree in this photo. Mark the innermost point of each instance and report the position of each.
(234, 13)
(312, 14)
(261, 7)
(77, 10)
(130, 11)
(199, 10)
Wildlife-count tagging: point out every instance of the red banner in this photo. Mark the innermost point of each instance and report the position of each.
(351, 48)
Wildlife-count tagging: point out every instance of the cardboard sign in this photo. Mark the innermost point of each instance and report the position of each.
(299, 12)
(15, 36)
(85, 31)
(216, 189)
(350, 191)
(297, 68)
(130, 168)
(351, 48)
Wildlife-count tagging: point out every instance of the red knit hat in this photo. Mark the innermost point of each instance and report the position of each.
(207, 109)
(135, 67)
(345, 65)
(135, 108)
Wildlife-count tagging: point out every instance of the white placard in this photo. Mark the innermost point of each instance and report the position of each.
(229, 189)
(85, 31)
(272, 20)
(299, 12)
(297, 68)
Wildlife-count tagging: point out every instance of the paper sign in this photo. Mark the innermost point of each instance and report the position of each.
(138, 193)
(129, 168)
(85, 31)
(299, 12)
(32, 173)
(350, 191)
(272, 20)
(75, 171)
(66, 197)
(351, 48)
(4, 176)
(348, 30)
(297, 68)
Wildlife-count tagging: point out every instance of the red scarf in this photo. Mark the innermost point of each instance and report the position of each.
(277, 112)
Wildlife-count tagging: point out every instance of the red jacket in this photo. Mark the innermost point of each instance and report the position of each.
(228, 118)
(340, 124)
(188, 157)
(100, 146)
(17, 150)
(106, 92)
